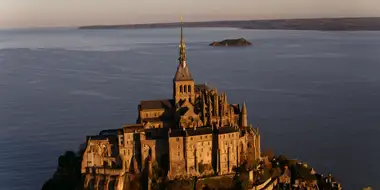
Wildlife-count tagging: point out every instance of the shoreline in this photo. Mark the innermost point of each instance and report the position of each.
(317, 24)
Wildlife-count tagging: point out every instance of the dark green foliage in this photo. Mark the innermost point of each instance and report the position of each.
(201, 167)
(238, 183)
(158, 177)
(68, 174)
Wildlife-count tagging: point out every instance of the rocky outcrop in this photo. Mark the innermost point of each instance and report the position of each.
(232, 42)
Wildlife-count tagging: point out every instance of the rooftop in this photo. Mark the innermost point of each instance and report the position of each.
(191, 132)
(132, 127)
(228, 129)
(110, 132)
(156, 104)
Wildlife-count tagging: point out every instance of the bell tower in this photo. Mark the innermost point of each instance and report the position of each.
(183, 83)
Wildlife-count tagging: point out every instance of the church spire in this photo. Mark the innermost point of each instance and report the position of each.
(183, 73)
(182, 41)
(182, 49)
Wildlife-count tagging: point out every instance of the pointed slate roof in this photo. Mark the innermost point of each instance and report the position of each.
(183, 73)
(244, 109)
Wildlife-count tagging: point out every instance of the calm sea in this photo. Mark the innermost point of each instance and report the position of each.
(315, 95)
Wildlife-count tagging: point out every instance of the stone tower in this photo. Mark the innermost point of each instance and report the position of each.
(183, 83)
(243, 116)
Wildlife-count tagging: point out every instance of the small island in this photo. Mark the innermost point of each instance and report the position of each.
(232, 42)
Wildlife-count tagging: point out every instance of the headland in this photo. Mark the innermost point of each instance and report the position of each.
(327, 24)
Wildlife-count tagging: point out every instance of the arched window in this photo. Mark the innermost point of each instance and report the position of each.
(180, 89)
(189, 88)
(184, 89)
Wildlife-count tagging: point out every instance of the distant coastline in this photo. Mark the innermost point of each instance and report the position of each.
(325, 24)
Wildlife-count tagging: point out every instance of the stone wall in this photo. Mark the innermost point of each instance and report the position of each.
(216, 182)
(228, 150)
(176, 158)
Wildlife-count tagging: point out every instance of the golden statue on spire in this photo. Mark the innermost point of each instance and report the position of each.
(182, 48)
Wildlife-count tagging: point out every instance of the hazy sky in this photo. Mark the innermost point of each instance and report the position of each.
(34, 13)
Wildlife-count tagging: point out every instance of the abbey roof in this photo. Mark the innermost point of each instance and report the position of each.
(156, 104)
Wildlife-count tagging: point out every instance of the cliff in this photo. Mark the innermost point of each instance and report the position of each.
(279, 171)
(349, 24)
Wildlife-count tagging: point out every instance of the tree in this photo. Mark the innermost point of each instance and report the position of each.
(201, 167)
(68, 174)
(283, 160)
(238, 183)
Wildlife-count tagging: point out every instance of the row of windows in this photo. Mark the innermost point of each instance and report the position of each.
(155, 114)
(233, 158)
(185, 88)
(198, 155)
(128, 142)
(229, 135)
(191, 138)
(221, 136)
(127, 152)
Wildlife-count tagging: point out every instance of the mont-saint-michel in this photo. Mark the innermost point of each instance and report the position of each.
(195, 139)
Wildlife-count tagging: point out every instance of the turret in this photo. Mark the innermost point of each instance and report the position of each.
(243, 116)
(203, 105)
(216, 104)
(209, 106)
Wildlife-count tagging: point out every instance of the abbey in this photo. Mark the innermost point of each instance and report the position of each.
(197, 132)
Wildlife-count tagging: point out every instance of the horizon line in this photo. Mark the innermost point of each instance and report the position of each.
(173, 22)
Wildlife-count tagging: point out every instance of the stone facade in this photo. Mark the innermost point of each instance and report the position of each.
(195, 133)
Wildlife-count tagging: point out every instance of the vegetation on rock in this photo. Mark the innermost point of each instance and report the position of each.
(232, 42)
(68, 175)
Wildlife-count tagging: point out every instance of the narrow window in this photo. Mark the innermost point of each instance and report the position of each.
(180, 89)
(189, 88)
(184, 89)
